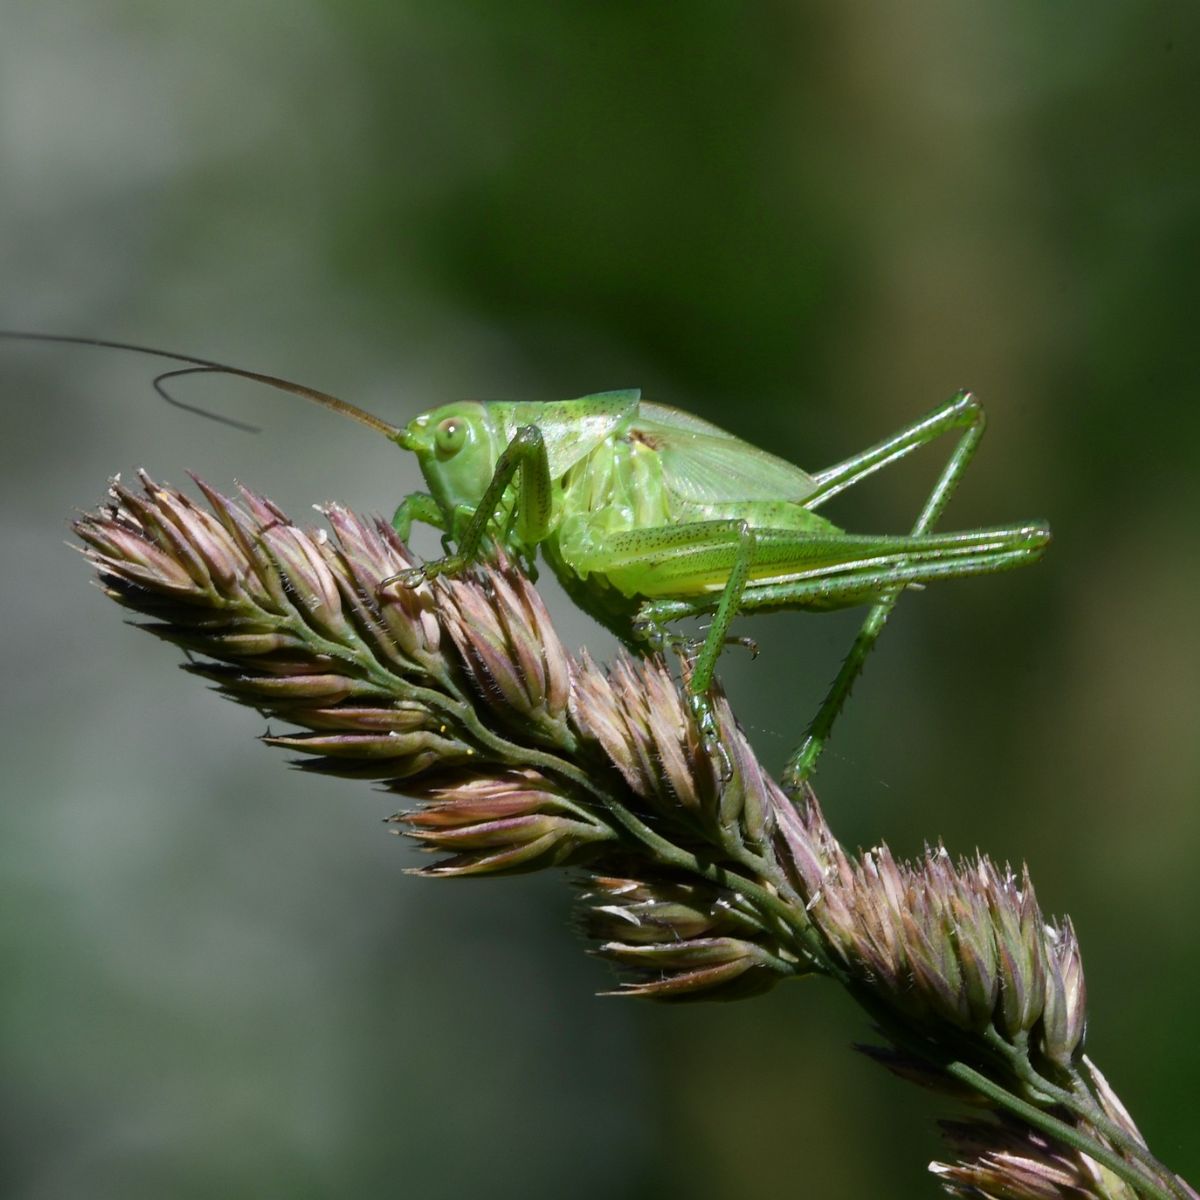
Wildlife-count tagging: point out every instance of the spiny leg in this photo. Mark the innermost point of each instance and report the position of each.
(524, 456)
(678, 566)
(700, 682)
(714, 550)
(963, 410)
(856, 582)
(720, 566)
(852, 583)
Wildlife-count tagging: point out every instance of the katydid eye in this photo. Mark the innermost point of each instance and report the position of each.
(451, 436)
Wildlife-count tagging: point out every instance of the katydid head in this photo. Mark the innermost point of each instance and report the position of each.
(457, 446)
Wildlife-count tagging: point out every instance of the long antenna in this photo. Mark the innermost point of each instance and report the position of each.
(203, 364)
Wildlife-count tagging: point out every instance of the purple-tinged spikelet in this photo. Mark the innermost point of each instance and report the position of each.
(458, 693)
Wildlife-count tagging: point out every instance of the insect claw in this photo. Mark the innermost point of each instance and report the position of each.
(410, 578)
(415, 576)
(715, 749)
(687, 648)
(651, 633)
(749, 643)
(706, 723)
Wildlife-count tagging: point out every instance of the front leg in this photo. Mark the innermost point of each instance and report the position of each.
(524, 459)
(652, 636)
(418, 506)
(701, 680)
(726, 550)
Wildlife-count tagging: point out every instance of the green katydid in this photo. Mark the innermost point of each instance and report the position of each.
(647, 514)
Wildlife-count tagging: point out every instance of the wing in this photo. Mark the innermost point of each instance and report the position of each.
(571, 429)
(702, 464)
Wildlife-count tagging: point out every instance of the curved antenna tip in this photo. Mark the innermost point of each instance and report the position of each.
(205, 364)
(159, 380)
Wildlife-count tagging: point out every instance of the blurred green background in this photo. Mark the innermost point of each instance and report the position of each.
(810, 223)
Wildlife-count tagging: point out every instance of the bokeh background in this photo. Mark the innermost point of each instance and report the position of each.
(808, 222)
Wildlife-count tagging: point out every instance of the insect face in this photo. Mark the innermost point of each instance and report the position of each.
(457, 448)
